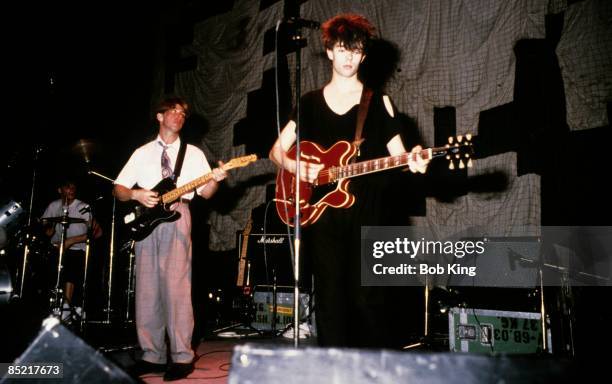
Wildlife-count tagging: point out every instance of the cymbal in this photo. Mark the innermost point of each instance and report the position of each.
(84, 148)
(62, 219)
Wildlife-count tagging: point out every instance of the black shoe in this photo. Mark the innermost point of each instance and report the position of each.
(142, 367)
(177, 371)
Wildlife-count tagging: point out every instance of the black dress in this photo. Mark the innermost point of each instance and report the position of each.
(347, 314)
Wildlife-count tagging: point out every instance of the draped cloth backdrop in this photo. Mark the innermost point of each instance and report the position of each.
(456, 54)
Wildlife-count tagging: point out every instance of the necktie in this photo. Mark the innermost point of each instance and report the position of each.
(165, 162)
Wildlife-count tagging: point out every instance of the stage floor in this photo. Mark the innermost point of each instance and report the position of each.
(212, 365)
(213, 358)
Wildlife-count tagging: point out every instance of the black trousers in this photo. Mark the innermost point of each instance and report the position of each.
(347, 313)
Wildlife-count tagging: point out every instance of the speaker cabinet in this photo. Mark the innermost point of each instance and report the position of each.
(263, 364)
(80, 363)
(269, 258)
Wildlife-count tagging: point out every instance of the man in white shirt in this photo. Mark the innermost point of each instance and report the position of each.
(163, 259)
(75, 238)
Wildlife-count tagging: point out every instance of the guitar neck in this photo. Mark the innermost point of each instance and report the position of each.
(243, 254)
(174, 194)
(334, 174)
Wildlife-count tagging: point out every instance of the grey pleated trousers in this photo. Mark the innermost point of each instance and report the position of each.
(163, 291)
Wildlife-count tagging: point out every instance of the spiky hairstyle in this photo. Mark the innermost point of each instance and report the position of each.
(351, 31)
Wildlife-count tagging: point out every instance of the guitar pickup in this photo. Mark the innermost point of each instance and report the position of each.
(129, 218)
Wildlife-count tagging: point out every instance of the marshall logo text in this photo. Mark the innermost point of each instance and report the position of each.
(271, 240)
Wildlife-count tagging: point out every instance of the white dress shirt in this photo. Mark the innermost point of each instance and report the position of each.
(144, 166)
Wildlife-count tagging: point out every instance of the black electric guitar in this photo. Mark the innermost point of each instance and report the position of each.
(141, 221)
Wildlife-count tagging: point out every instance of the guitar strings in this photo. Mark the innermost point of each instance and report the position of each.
(395, 160)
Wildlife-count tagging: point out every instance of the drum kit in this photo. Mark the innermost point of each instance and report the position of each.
(31, 267)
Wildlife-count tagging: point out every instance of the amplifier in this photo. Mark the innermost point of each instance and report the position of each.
(268, 256)
(490, 331)
(264, 307)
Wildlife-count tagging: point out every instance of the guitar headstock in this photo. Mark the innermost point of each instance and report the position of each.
(459, 151)
(238, 162)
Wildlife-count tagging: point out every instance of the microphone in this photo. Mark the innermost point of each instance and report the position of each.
(302, 23)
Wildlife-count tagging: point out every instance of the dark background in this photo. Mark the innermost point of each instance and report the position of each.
(79, 81)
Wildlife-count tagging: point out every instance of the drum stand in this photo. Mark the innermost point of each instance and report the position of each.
(57, 297)
(83, 316)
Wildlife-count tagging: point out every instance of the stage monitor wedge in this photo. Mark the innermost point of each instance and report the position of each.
(78, 362)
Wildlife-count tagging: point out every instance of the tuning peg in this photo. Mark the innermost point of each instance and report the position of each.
(451, 165)
(450, 140)
(457, 155)
(459, 138)
(461, 165)
(448, 157)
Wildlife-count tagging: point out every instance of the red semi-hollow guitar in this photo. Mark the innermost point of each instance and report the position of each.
(330, 189)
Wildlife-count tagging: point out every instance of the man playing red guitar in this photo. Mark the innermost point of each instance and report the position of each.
(347, 314)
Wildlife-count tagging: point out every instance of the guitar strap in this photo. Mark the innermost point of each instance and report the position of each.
(179, 161)
(362, 112)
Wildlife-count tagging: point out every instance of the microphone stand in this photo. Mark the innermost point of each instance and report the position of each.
(111, 257)
(131, 283)
(300, 43)
(90, 235)
(26, 248)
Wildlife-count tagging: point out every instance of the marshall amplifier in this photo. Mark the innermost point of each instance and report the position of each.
(266, 257)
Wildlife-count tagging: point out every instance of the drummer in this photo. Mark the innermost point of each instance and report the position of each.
(79, 219)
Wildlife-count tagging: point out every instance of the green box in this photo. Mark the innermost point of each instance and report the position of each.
(490, 331)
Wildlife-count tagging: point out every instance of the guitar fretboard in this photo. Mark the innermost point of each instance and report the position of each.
(333, 174)
(174, 194)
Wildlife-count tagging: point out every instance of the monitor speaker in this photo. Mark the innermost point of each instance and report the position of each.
(253, 363)
(56, 346)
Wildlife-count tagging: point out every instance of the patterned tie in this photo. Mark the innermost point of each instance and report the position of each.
(165, 162)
